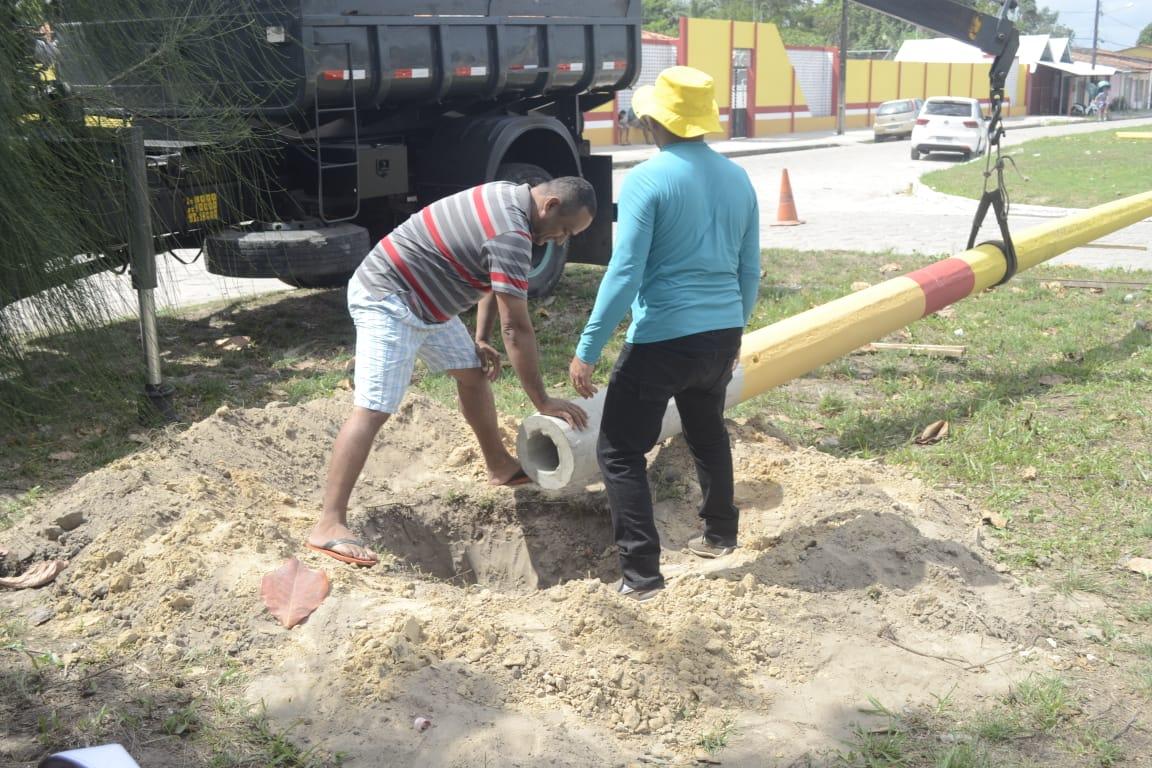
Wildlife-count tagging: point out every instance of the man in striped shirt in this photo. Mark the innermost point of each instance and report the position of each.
(473, 248)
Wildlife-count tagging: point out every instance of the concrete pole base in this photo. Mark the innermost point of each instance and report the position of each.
(558, 457)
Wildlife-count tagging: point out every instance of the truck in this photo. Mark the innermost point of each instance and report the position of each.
(285, 137)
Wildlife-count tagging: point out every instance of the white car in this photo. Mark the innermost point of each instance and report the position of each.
(949, 124)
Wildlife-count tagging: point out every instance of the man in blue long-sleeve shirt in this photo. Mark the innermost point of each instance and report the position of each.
(687, 263)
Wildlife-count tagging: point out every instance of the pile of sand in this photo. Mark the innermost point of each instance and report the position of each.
(492, 615)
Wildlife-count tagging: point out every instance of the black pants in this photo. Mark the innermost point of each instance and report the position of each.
(695, 371)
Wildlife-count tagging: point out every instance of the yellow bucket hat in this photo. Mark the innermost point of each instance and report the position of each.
(682, 100)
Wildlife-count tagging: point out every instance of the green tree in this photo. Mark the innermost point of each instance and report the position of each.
(662, 16)
(1039, 20)
(1031, 19)
(1145, 36)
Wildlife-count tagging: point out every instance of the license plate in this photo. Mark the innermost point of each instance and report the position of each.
(201, 208)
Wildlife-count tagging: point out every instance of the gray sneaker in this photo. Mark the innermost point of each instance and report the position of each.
(639, 595)
(704, 548)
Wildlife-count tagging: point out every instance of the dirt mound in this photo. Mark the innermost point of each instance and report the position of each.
(491, 612)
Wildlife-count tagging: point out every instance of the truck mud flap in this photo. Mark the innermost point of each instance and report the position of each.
(594, 245)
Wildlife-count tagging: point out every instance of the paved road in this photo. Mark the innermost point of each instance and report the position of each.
(856, 195)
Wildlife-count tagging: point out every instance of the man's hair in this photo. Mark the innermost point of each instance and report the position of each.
(575, 194)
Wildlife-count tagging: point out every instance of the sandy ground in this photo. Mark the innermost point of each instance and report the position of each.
(491, 612)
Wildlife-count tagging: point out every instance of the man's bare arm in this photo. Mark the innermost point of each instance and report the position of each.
(520, 344)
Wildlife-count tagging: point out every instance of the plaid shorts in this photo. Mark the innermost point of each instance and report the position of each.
(389, 339)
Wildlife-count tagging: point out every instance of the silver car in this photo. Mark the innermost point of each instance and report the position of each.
(895, 118)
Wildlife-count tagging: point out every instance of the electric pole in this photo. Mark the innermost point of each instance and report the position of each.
(841, 109)
(1095, 33)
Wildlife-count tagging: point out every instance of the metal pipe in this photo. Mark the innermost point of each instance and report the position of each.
(558, 457)
(157, 393)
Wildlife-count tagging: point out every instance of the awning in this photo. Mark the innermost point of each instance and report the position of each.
(1081, 68)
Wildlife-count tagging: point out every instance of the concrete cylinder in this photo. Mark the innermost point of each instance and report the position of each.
(557, 456)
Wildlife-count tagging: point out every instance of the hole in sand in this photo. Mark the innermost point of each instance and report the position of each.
(520, 549)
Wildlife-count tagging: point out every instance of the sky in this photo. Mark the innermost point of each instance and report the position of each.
(1120, 20)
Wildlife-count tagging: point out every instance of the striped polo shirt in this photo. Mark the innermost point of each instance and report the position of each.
(442, 260)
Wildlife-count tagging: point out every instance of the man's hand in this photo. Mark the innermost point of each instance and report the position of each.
(490, 360)
(565, 409)
(580, 373)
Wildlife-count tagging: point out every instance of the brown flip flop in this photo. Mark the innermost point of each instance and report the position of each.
(328, 549)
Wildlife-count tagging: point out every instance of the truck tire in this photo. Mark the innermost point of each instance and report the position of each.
(304, 256)
(547, 260)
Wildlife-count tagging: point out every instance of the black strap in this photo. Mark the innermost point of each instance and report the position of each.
(997, 197)
(994, 198)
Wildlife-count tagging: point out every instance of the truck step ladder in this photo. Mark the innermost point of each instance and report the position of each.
(326, 168)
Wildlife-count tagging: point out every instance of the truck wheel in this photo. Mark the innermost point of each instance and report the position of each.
(305, 256)
(547, 260)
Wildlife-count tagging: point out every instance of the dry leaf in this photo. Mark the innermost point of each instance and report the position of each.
(1141, 565)
(36, 576)
(933, 433)
(890, 267)
(543, 313)
(234, 343)
(1029, 473)
(62, 456)
(995, 520)
(293, 591)
(860, 285)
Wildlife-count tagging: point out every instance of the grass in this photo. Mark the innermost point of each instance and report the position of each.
(1074, 171)
(1038, 715)
(11, 510)
(717, 737)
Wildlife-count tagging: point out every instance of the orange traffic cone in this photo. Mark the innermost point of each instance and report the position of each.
(786, 212)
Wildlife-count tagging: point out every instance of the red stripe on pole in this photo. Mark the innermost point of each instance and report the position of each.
(944, 283)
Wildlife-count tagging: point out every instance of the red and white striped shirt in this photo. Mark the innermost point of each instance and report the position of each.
(442, 260)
